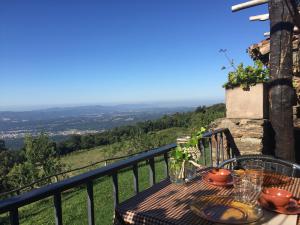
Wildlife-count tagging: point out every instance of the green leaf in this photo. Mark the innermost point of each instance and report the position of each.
(247, 76)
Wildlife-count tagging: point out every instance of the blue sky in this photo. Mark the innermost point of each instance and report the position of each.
(119, 51)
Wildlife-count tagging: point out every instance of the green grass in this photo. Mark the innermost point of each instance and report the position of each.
(83, 157)
(74, 204)
(88, 156)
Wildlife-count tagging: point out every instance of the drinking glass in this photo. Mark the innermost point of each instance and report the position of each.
(255, 176)
(189, 171)
(242, 189)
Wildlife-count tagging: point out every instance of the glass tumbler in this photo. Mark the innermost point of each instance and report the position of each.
(189, 171)
(255, 176)
(242, 188)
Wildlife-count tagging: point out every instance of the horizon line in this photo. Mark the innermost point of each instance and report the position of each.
(164, 103)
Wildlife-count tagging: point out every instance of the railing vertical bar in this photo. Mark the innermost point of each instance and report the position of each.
(115, 189)
(220, 149)
(166, 159)
(14, 217)
(229, 155)
(151, 171)
(211, 153)
(202, 146)
(294, 171)
(57, 209)
(90, 203)
(135, 178)
(217, 150)
(222, 146)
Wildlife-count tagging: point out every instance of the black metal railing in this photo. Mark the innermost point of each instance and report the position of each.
(215, 140)
(220, 145)
(31, 185)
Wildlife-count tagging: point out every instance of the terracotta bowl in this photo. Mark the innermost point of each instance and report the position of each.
(276, 197)
(219, 175)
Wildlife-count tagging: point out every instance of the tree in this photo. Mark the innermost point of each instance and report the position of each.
(22, 174)
(40, 161)
(71, 144)
(2, 145)
(200, 109)
(39, 149)
(6, 163)
(87, 141)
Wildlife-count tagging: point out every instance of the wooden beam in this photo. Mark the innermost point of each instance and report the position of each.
(281, 92)
(248, 4)
(262, 17)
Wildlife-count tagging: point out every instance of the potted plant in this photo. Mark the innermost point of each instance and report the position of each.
(246, 91)
(184, 159)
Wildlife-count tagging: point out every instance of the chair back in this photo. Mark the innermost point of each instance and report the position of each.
(269, 163)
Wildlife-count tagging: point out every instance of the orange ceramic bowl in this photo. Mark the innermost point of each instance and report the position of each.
(219, 175)
(276, 197)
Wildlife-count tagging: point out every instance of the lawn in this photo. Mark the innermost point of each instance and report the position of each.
(88, 156)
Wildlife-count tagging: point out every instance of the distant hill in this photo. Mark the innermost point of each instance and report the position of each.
(78, 111)
(62, 122)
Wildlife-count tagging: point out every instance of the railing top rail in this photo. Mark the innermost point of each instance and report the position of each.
(266, 158)
(49, 190)
(69, 171)
(217, 131)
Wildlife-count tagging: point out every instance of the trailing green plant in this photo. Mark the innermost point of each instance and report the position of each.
(246, 76)
(185, 157)
(182, 152)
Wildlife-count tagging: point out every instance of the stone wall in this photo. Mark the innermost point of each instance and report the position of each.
(249, 134)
